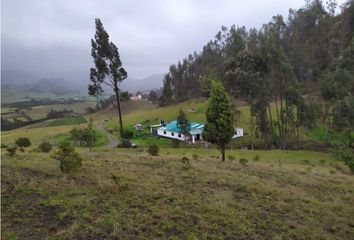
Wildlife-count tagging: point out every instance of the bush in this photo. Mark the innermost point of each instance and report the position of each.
(306, 161)
(69, 159)
(256, 158)
(153, 149)
(348, 158)
(23, 142)
(11, 150)
(3, 145)
(124, 144)
(243, 161)
(127, 133)
(86, 137)
(231, 158)
(45, 147)
(195, 156)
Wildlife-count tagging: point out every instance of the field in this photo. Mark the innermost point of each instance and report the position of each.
(40, 112)
(283, 195)
(67, 121)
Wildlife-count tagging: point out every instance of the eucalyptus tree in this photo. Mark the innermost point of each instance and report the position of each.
(108, 68)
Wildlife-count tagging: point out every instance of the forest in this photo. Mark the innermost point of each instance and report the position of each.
(304, 65)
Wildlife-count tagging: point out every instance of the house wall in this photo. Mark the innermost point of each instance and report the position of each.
(168, 134)
(238, 133)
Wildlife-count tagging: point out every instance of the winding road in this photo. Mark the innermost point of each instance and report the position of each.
(112, 139)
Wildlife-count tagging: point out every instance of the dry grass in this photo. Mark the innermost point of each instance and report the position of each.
(278, 197)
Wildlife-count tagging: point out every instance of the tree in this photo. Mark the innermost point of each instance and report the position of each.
(108, 68)
(167, 92)
(183, 123)
(152, 96)
(86, 137)
(69, 159)
(23, 142)
(125, 96)
(246, 73)
(219, 128)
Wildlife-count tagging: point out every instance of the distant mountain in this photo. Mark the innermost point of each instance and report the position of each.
(135, 84)
(56, 86)
(18, 81)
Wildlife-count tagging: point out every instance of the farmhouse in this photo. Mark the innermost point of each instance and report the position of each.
(172, 130)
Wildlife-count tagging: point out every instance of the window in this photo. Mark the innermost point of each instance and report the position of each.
(179, 135)
(164, 132)
(172, 134)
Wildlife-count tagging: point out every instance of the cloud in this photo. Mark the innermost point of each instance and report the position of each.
(52, 38)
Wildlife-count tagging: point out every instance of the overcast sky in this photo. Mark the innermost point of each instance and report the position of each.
(51, 38)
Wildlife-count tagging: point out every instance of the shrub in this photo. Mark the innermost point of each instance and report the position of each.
(3, 145)
(231, 158)
(256, 158)
(243, 161)
(127, 133)
(124, 144)
(86, 137)
(306, 161)
(195, 156)
(11, 150)
(348, 158)
(322, 161)
(153, 149)
(23, 142)
(45, 147)
(69, 159)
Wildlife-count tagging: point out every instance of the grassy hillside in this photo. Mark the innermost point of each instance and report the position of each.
(39, 133)
(284, 195)
(147, 115)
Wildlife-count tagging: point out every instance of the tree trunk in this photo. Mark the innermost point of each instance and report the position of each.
(119, 111)
(271, 126)
(223, 153)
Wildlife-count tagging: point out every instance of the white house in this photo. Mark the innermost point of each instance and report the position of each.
(137, 97)
(172, 130)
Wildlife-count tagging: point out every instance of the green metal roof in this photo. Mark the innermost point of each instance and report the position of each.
(195, 128)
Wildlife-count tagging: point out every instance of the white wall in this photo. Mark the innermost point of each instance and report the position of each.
(239, 133)
(168, 134)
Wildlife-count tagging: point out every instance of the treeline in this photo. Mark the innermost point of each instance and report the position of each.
(295, 64)
(40, 102)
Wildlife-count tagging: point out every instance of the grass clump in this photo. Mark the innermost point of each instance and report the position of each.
(256, 158)
(69, 159)
(195, 156)
(231, 158)
(153, 149)
(3, 145)
(243, 161)
(11, 150)
(45, 147)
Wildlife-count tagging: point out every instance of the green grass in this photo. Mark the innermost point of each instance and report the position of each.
(280, 196)
(67, 121)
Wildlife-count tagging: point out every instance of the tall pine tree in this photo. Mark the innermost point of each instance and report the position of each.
(219, 128)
